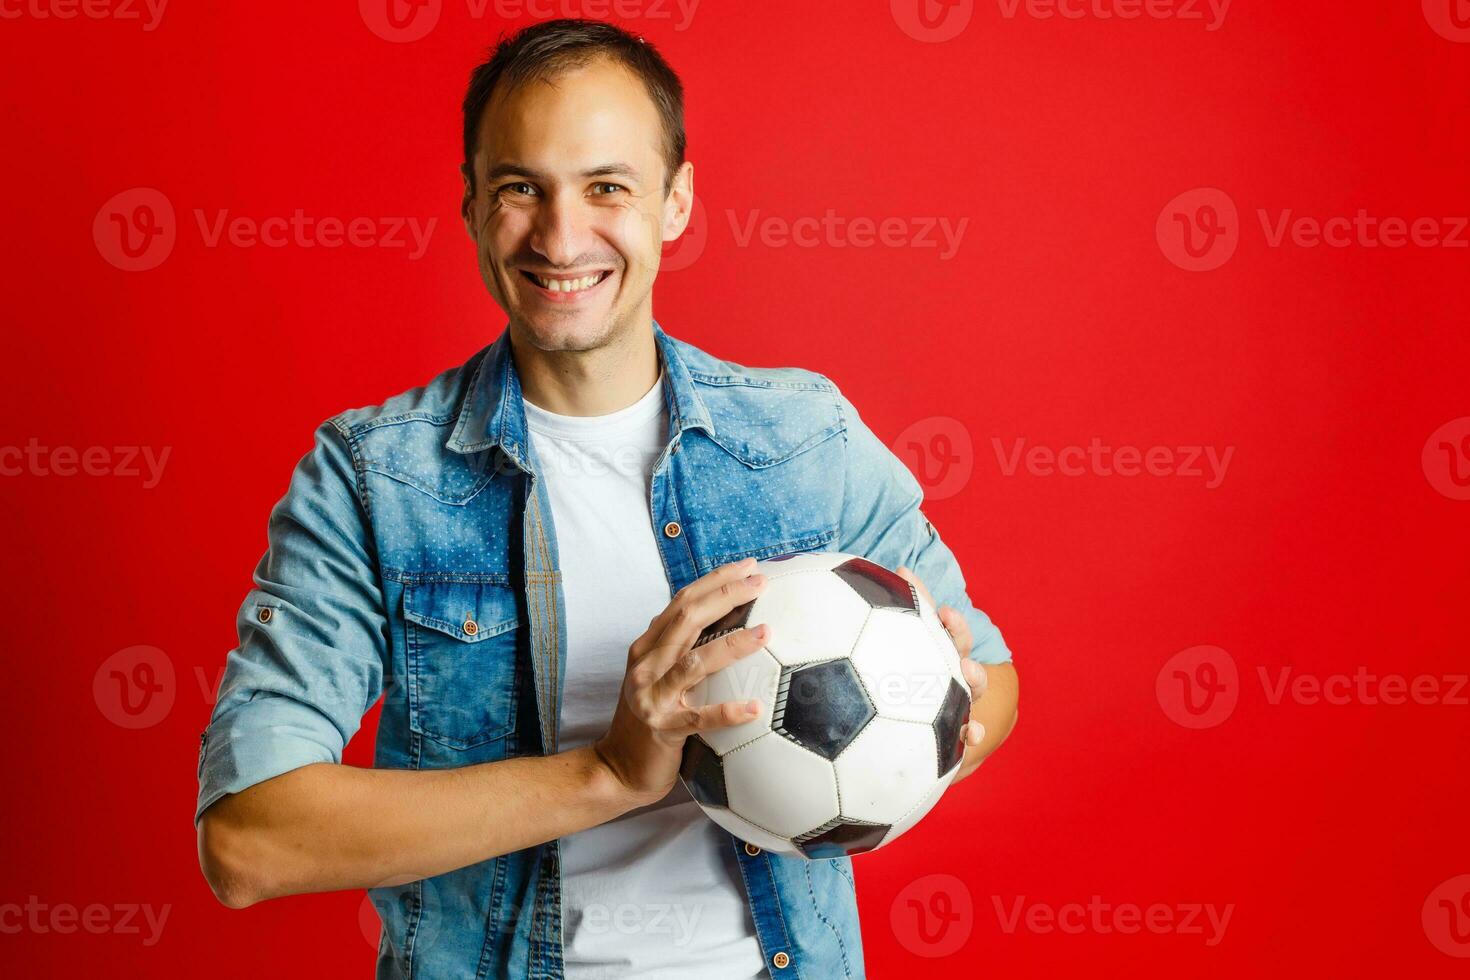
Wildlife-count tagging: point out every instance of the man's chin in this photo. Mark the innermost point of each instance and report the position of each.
(560, 332)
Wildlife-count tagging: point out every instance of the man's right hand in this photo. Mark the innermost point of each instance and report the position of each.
(645, 742)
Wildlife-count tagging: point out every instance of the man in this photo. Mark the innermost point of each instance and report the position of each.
(519, 556)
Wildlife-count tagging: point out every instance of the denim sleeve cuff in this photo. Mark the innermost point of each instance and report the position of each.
(987, 647)
(237, 754)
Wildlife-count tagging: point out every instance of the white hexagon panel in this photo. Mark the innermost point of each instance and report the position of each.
(780, 786)
(901, 666)
(813, 615)
(886, 771)
(921, 809)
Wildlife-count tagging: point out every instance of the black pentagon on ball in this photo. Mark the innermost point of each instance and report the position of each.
(879, 587)
(703, 773)
(733, 620)
(949, 726)
(822, 707)
(841, 838)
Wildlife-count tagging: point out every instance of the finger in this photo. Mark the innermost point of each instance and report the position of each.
(907, 574)
(976, 676)
(690, 617)
(974, 732)
(652, 637)
(709, 658)
(686, 721)
(957, 628)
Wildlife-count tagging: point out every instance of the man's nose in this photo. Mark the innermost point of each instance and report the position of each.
(560, 229)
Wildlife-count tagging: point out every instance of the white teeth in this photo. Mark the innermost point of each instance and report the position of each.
(569, 285)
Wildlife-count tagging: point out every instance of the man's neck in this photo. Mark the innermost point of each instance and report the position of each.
(592, 382)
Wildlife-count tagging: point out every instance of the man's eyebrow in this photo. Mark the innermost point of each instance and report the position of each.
(517, 170)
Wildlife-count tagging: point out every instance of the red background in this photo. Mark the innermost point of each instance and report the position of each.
(1326, 547)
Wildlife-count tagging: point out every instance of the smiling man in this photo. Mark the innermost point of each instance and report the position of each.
(519, 556)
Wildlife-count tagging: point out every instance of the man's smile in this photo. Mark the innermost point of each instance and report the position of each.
(566, 288)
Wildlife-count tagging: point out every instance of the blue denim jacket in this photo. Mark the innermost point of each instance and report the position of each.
(413, 558)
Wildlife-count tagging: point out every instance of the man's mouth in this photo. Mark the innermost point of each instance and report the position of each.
(567, 284)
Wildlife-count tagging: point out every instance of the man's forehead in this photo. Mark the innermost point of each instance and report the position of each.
(607, 147)
(613, 118)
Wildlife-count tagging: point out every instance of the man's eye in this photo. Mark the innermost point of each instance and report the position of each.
(615, 187)
(519, 188)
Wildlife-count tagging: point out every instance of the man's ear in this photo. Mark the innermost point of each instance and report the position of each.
(468, 199)
(679, 204)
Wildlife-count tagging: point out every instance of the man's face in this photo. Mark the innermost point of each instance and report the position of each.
(569, 186)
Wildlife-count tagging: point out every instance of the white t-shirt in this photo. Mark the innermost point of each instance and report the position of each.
(655, 893)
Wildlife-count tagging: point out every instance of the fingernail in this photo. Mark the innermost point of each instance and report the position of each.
(752, 707)
(762, 631)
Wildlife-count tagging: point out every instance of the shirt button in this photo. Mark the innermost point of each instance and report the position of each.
(752, 850)
(672, 529)
(780, 961)
(264, 615)
(470, 626)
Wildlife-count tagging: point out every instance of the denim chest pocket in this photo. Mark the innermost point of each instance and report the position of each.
(461, 660)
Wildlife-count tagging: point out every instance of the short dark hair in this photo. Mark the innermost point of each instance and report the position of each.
(543, 51)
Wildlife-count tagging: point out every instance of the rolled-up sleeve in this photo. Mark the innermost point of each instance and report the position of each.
(312, 635)
(882, 521)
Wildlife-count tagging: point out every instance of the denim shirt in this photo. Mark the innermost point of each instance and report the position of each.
(413, 558)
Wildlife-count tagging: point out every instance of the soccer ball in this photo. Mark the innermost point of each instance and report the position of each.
(862, 709)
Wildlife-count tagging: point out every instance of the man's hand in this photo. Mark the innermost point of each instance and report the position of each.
(645, 742)
(1000, 709)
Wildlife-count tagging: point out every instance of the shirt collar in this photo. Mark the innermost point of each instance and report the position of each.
(492, 413)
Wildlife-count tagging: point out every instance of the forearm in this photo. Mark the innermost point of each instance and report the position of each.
(996, 710)
(325, 827)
